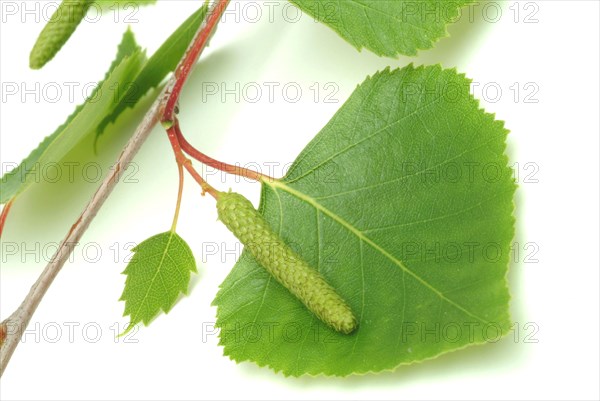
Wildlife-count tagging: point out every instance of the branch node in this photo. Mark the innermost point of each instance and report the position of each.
(167, 124)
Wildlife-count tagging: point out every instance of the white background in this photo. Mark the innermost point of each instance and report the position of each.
(178, 356)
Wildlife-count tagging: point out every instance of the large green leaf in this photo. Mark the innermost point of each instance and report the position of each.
(386, 27)
(404, 203)
(156, 275)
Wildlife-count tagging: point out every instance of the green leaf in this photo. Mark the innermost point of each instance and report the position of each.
(79, 124)
(164, 60)
(386, 27)
(404, 203)
(126, 48)
(98, 112)
(158, 272)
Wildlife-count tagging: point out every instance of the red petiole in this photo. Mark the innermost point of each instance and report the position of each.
(169, 120)
(193, 53)
(4, 214)
(209, 161)
(182, 160)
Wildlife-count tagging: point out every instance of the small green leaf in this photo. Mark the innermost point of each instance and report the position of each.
(164, 60)
(126, 48)
(386, 27)
(79, 124)
(404, 203)
(57, 31)
(156, 275)
(102, 109)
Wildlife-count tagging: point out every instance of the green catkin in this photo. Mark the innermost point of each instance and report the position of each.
(306, 283)
(57, 31)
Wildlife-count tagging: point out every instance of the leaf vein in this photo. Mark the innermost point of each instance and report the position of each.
(310, 201)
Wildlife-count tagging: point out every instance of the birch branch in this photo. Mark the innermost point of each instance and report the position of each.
(12, 329)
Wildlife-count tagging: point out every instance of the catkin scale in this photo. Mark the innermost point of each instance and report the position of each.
(57, 31)
(288, 268)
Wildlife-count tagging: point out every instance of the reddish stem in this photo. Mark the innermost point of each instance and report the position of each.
(182, 73)
(4, 214)
(3, 333)
(185, 162)
(209, 161)
(184, 68)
